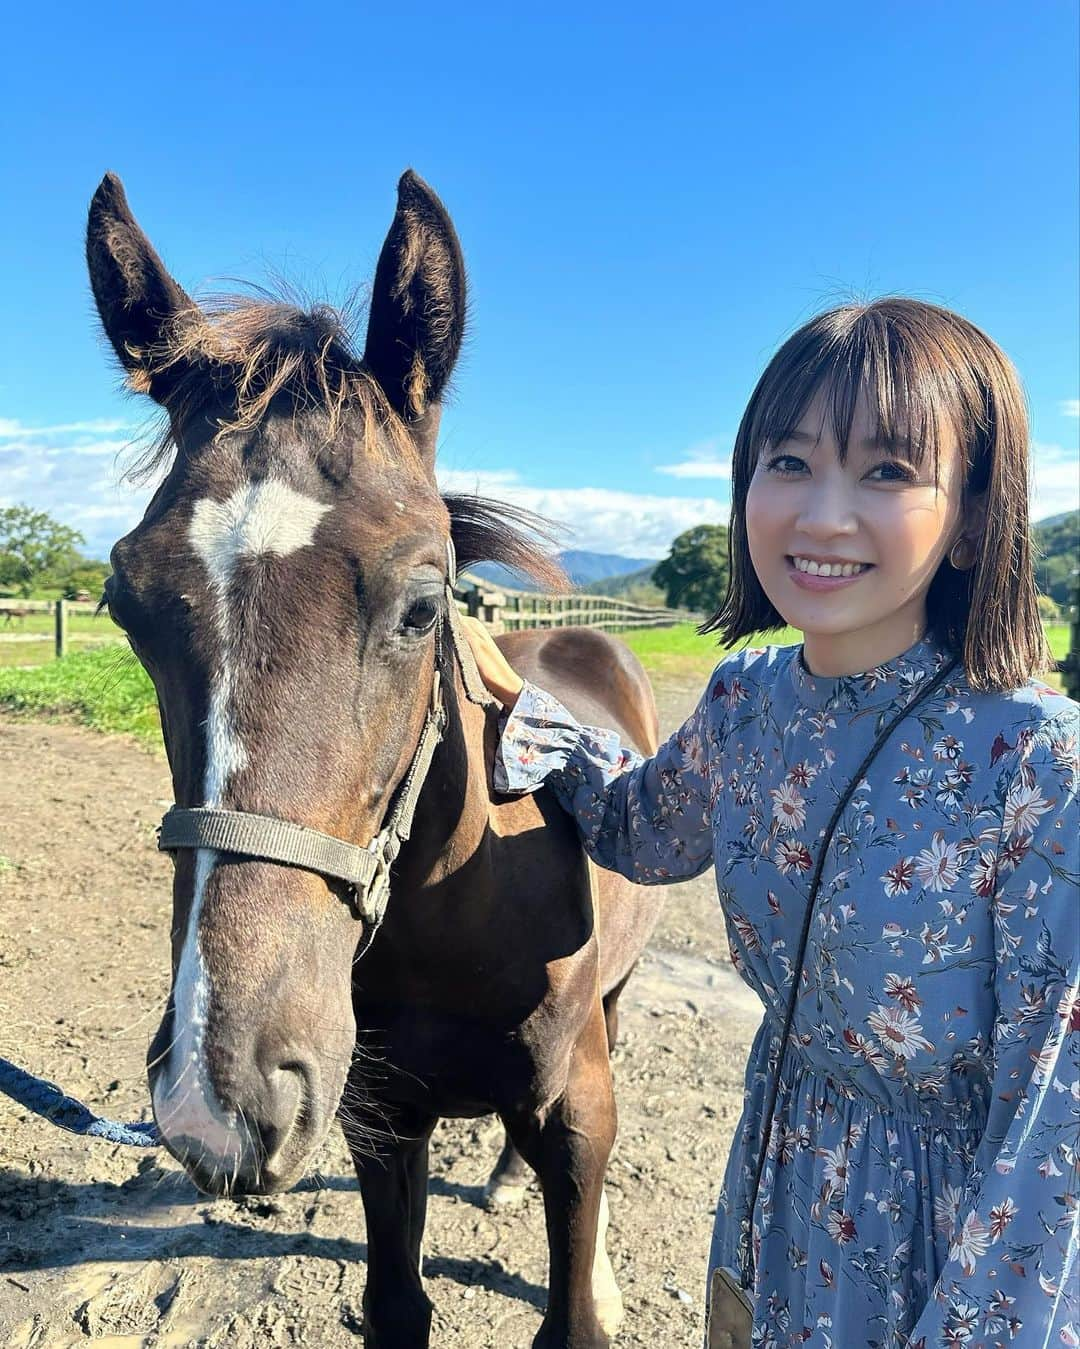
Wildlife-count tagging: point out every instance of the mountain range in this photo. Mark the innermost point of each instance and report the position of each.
(582, 567)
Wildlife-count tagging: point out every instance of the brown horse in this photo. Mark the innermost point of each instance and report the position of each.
(286, 592)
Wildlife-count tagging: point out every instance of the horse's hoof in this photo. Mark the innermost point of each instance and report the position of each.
(499, 1195)
(609, 1312)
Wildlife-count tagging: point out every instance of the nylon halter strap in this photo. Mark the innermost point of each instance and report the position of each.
(366, 870)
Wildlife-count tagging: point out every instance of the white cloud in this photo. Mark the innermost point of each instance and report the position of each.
(1055, 479)
(11, 428)
(702, 460)
(1070, 407)
(598, 519)
(71, 471)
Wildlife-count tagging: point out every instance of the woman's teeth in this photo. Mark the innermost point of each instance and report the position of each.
(829, 568)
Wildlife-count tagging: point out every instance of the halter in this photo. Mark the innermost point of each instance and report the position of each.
(366, 870)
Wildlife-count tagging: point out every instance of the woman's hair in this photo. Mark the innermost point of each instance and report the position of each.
(927, 374)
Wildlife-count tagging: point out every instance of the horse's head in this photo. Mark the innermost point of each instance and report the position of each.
(282, 591)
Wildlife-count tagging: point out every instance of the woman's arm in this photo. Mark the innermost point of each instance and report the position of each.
(1013, 1272)
(648, 819)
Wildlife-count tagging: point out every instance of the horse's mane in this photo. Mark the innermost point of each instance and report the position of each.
(493, 531)
(265, 346)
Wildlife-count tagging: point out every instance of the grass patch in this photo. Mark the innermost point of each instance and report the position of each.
(31, 640)
(105, 689)
(1057, 634)
(78, 624)
(681, 652)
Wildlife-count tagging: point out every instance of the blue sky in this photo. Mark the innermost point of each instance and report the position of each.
(650, 198)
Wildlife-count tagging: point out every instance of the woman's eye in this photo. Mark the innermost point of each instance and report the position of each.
(789, 464)
(420, 616)
(891, 471)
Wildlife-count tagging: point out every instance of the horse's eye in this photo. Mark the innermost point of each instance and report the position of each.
(420, 616)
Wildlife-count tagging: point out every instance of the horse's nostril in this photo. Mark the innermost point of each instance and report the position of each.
(282, 1108)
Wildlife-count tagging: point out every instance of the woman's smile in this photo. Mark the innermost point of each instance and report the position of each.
(811, 573)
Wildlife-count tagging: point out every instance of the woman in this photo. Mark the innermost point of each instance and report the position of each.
(918, 1140)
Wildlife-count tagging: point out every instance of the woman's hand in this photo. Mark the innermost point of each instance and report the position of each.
(498, 674)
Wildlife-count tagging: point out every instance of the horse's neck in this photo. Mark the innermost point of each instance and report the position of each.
(452, 813)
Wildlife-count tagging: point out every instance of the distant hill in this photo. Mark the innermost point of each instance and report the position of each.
(1057, 556)
(636, 586)
(583, 569)
(586, 568)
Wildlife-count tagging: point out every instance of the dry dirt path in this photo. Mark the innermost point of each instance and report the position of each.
(113, 1246)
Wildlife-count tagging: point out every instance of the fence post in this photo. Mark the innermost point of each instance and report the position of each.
(61, 628)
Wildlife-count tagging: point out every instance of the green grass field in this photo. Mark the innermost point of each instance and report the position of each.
(107, 689)
(29, 640)
(680, 652)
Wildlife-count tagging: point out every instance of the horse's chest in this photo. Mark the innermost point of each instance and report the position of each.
(458, 1064)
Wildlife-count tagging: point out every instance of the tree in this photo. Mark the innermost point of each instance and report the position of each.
(1057, 548)
(1048, 610)
(87, 578)
(695, 572)
(34, 547)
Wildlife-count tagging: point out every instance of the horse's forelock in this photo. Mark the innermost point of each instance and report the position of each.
(238, 356)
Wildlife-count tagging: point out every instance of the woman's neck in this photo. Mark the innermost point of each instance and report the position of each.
(847, 653)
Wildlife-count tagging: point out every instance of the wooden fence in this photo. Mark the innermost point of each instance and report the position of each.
(506, 610)
(13, 611)
(502, 609)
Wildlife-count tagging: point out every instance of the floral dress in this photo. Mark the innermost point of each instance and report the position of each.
(923, 1166)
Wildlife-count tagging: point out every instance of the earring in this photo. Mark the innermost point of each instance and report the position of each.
(962, 554)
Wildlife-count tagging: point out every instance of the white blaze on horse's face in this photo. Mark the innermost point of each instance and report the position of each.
(258, 519)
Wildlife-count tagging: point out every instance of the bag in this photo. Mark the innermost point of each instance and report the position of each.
(731, 1316)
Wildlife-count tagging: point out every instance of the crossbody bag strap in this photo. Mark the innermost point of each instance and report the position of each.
(745, 1236)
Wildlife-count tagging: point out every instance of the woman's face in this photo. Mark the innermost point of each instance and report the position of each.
(879, 521)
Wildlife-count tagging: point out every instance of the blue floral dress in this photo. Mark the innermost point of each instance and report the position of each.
(923, 1171)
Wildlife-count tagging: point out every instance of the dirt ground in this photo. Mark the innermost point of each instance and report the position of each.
(113, 1246)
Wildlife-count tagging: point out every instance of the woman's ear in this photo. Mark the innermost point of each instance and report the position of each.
(974, 516)
(967, 539)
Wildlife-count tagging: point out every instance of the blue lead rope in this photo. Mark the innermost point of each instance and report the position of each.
(46, 1099)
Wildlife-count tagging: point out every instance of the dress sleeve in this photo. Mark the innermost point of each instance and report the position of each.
(645, 818)
(1013, 1269)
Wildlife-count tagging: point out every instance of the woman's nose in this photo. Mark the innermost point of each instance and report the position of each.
(828, 509)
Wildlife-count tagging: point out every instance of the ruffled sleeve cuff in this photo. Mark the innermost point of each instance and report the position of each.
(540, 737)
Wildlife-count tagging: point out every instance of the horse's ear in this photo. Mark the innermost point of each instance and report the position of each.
(417, 316)
(136, 297)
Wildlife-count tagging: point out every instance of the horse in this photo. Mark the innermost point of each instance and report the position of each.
(287, 592)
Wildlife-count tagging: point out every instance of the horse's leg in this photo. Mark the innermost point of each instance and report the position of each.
(511, 1174)
(569, 1149)
(393, 1185)
(611, 1008)
(509, 1179)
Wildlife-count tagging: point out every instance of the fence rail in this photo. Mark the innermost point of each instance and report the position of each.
(505, 610)
(13, 611)
(502, 609)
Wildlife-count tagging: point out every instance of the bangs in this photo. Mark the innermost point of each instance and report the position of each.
(890, 354)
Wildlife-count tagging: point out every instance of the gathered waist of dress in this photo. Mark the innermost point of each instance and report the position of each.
(958, 1107)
